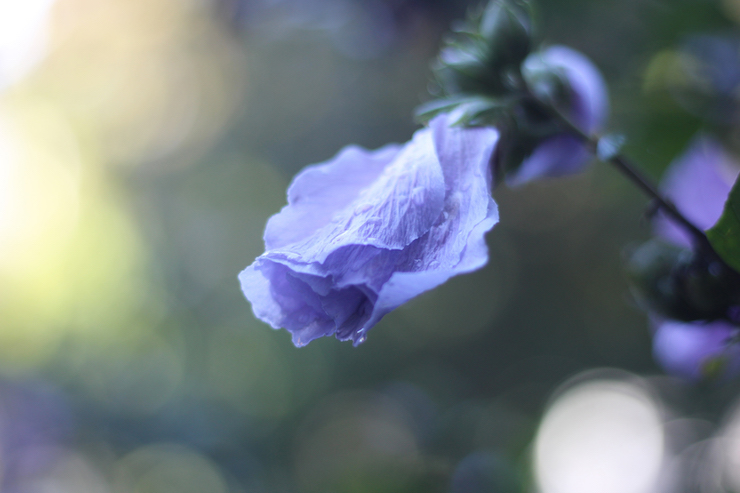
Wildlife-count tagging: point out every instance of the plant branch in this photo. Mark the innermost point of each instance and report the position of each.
(628, 169)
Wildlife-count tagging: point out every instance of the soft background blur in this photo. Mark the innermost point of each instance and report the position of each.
(143, 145)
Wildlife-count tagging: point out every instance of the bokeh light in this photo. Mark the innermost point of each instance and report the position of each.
(600, 435)
(23, 37)
(725, 453)
(168, 468)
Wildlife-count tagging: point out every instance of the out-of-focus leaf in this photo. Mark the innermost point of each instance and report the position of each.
(507, 26)
(430, 109)
(480, 112)
(473, 110)
(725, 235)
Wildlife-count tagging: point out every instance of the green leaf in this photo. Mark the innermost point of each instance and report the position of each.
(507, 27)
(463, 68)
(725, 235)
(430, 109)
(482, 112)
(473, 111)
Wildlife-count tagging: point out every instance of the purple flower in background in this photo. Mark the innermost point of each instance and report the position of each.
(35, 423)
(688, 349)
(368, 230)
(564, 154)
(698, 184)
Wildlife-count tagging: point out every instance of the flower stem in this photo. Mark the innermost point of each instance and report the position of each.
(630, 170)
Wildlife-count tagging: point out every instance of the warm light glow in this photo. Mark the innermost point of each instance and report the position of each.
(115, 82)
(39, 187)
(600, 436)
(152, 78)
(23, 33)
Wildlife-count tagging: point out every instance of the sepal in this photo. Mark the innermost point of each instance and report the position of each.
(485, 53)
(507, 28)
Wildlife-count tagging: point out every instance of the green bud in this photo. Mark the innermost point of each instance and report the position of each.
(651, 269)
(506, 25)
(679, 283)
(462, 69)
(484, 55)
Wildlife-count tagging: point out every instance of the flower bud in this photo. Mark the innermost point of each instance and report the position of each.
(484, 56)
(463, 69)
(681, 284)
(506, 27)
(567, 80)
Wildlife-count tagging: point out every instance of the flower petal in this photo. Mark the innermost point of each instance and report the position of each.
(590, 106)
(698, 184)
(401, 204)
(421, 221)
(320, 191)
(564, 154)
(558, 156)
(685, 349)
(456, 244)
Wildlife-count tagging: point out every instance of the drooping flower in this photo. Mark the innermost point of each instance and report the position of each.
(368, 230)
(698, 184)
(587, 105)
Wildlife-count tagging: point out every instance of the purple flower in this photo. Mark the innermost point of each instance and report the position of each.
(368, 230)
(35, 422)
(698, 183)
(564, 154)
(691, 349)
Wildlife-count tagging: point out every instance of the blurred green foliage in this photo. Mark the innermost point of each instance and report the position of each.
(186, 391)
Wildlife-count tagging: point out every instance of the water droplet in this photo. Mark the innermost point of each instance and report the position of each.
(359, 338)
